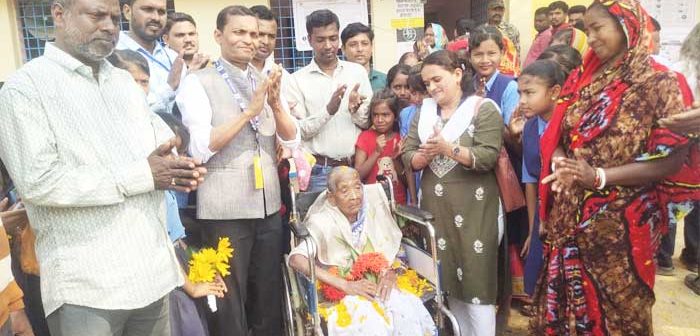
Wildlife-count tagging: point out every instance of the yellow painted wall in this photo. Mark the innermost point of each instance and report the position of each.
(384, 35)
(10, 39)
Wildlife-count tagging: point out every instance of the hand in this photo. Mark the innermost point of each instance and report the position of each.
(582, 172)
(436, 145)
(364, 288)
(180, 174)
(526, 248)
(4, 204)
(356, 99)
(386, 284)
(199, 61)
(198, 290)
(398, 147)
(20, 323)
(686, 122)
(257, 103)
(176, 71)
(561, 180)
(273, 90)
(516, 126)
(336, 98)
(381, 143)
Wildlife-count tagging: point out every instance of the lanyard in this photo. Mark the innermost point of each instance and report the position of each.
(153, 59)
(254, 122)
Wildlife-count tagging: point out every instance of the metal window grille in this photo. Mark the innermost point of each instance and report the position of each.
(36, 25)
(286, 51)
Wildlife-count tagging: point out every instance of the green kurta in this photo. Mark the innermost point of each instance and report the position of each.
(465, 203)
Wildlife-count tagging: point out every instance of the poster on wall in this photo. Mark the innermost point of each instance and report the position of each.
(348, 11)
(408, 23)
(677, 19)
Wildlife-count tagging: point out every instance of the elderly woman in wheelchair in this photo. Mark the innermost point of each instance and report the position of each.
(345, 221)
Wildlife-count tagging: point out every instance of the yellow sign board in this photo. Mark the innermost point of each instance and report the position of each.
(416, 22)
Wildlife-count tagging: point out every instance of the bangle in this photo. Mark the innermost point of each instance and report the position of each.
(553, 166)
(601, 179)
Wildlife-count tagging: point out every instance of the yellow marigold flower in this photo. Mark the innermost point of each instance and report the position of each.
(344, 318)
(411, 283)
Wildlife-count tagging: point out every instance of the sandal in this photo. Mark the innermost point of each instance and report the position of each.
(693, 282)
(527, 310)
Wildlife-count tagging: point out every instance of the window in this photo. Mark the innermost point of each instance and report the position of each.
(36, 25)
(285, 50)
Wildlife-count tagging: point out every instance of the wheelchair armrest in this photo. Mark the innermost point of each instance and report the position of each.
(413, 213)
(299, 230)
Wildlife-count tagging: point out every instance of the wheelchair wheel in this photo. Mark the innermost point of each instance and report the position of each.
(287, 308)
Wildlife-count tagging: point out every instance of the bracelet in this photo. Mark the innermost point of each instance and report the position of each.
(554, 167)
(601, 178)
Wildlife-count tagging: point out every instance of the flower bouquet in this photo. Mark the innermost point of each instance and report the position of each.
(206, 263)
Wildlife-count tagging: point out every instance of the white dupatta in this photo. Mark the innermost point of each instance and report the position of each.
(454, 128)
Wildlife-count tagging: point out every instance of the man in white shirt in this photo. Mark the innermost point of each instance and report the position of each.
(233, 129)
(147, 20)
(331, 96)
(83, 151)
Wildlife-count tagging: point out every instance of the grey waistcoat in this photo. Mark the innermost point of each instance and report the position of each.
(228, 191)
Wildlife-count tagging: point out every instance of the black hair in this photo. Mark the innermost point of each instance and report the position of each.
(126, 58)
(177, 127)
(542, 11)
(263, 13)
(222, 17)
(415, 81)
(464, 26)
(449, 61)
(354, 29)
(566, 34)
(392, 101)
(656, 24)
(559, 5)
(578, 9)
(547, 70)
(566, 56)
(580, 26)
(395, 71)
(406, 55)
(483, 34)
(176, 17)
(321, 18)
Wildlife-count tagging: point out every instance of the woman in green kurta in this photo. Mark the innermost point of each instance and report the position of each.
(455, 141)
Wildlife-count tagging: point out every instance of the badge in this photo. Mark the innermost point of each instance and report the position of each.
(257, 167)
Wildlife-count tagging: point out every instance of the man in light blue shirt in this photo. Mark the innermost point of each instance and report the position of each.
(147, 20)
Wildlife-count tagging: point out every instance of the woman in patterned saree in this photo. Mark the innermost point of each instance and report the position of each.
(614, 173)
(455, 140)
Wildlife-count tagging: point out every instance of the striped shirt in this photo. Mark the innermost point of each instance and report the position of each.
(76, 148)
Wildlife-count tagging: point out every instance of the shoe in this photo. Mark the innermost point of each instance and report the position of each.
(664, 270)
(689, 264)
(693, 282)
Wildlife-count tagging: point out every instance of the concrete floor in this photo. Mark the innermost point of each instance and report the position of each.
(677, 308)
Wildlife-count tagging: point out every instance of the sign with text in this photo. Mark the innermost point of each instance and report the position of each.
(348, 11)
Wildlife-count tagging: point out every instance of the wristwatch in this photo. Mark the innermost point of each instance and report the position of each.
(455, 151)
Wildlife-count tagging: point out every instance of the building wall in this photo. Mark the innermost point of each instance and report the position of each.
(10, 39)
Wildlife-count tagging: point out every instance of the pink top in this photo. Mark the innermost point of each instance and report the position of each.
(538, 46)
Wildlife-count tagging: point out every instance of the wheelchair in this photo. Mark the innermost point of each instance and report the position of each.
(301, 303)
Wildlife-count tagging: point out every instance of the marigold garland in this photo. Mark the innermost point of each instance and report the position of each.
(207, 262)
(411, 283)
(368, 266)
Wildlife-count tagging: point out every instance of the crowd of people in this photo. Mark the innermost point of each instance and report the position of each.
(557, 182)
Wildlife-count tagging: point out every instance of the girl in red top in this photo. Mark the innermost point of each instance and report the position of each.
(378, 148)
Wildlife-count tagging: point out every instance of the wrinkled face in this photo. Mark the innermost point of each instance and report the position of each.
(267, 35)
(89, 28)
(147, 18)
(183, 36)
(557, 17)
(429, 36)
(442, 85)
(605, 36)
(325, 42)
(347, 195)
(575, 17)
(541, 23)
(358, 49)
(400, 87)
(382, 118)
(239, 39)
(140, 76)
(495, 15)
(536, 97)
(486, 58)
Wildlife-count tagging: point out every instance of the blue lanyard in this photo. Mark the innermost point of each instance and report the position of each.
(255, 122)
(149, 56)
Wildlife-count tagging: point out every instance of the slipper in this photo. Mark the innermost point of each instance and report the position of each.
(527, 310)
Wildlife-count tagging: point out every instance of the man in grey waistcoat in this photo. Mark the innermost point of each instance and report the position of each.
(235, 115)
